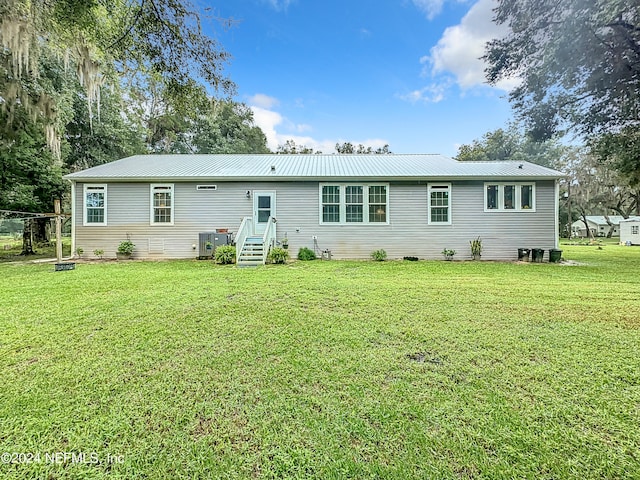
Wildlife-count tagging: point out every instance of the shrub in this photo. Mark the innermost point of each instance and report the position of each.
(126, 247)
(448, 253)
(476, 247)
(306, 254)
(79, 251)
(98, 252)
(278, 255)
(225, 254)
(379, 255)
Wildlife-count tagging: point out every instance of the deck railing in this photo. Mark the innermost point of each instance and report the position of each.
(268, 238)
(245, 230)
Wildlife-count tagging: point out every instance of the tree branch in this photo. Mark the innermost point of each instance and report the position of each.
(131, 27)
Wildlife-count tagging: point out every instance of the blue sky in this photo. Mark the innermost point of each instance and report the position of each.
(402, 72)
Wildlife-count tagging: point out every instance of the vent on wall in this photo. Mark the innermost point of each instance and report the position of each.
(156, 246)
(206, 187)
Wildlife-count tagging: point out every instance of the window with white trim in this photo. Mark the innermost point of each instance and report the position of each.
(439, 200)
(634, 229)
(161, 204)
(354, 203)
(508, 197)
(354, 198)
(95, 205)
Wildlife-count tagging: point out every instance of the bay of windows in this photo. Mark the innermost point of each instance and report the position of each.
(509, 197)
(349, 203)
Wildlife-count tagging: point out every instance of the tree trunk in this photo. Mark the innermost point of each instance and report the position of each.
(611, 226)
(41, 230)
(583, 217)
(27, 238)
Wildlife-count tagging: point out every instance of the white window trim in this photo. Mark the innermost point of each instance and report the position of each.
(518, 192)
(152, 187)
(343, 204)
(438, 186)
(103, 187)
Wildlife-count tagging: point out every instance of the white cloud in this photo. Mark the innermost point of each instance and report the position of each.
(267, 120)
(433, 93)
(456, 58)
(279, 129)
(279, 4)
(263, 101)
(459, 49)
(431, 8)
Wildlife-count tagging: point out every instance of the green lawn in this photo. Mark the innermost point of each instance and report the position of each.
(323, 369)
(11, 247)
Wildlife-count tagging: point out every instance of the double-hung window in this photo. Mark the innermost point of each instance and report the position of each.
(439, 199)
(354, 203)
(162, 204)
(354, 198)
(95, 205)
(506, 197)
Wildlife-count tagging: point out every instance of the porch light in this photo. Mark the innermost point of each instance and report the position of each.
(248, 194)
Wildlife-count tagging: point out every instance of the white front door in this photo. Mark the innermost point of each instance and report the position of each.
(264, 206)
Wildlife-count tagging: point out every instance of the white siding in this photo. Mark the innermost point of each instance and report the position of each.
(627, 232)
(407, 234)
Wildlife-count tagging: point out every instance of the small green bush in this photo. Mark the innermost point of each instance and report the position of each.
(98, 252)
(448, 253)
(306, 254)
(278, 255)
(126, 247)
(225, 254)
(379, 255)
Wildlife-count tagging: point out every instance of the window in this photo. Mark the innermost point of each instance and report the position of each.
(95, 205)
(509, 197)
(353, 203)
(162, 204)
(634, 229)
(330, 204)
(377, 204)
(526, 197)
(353, 200)
(439, 204)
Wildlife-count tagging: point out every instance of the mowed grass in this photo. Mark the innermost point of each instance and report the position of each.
(324, 369)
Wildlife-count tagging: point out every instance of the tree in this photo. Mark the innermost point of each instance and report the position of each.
(118, 134)
(513, 144)
(622, 151)
(579, 62)
(29, 178)
(595, 188)
(105, 40)
(290, 147)
(228, 127)
(215, 126)
(348, 147)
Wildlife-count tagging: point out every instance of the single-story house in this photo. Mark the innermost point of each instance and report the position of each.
(598, 225)
(630, 231)
(350, 205)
